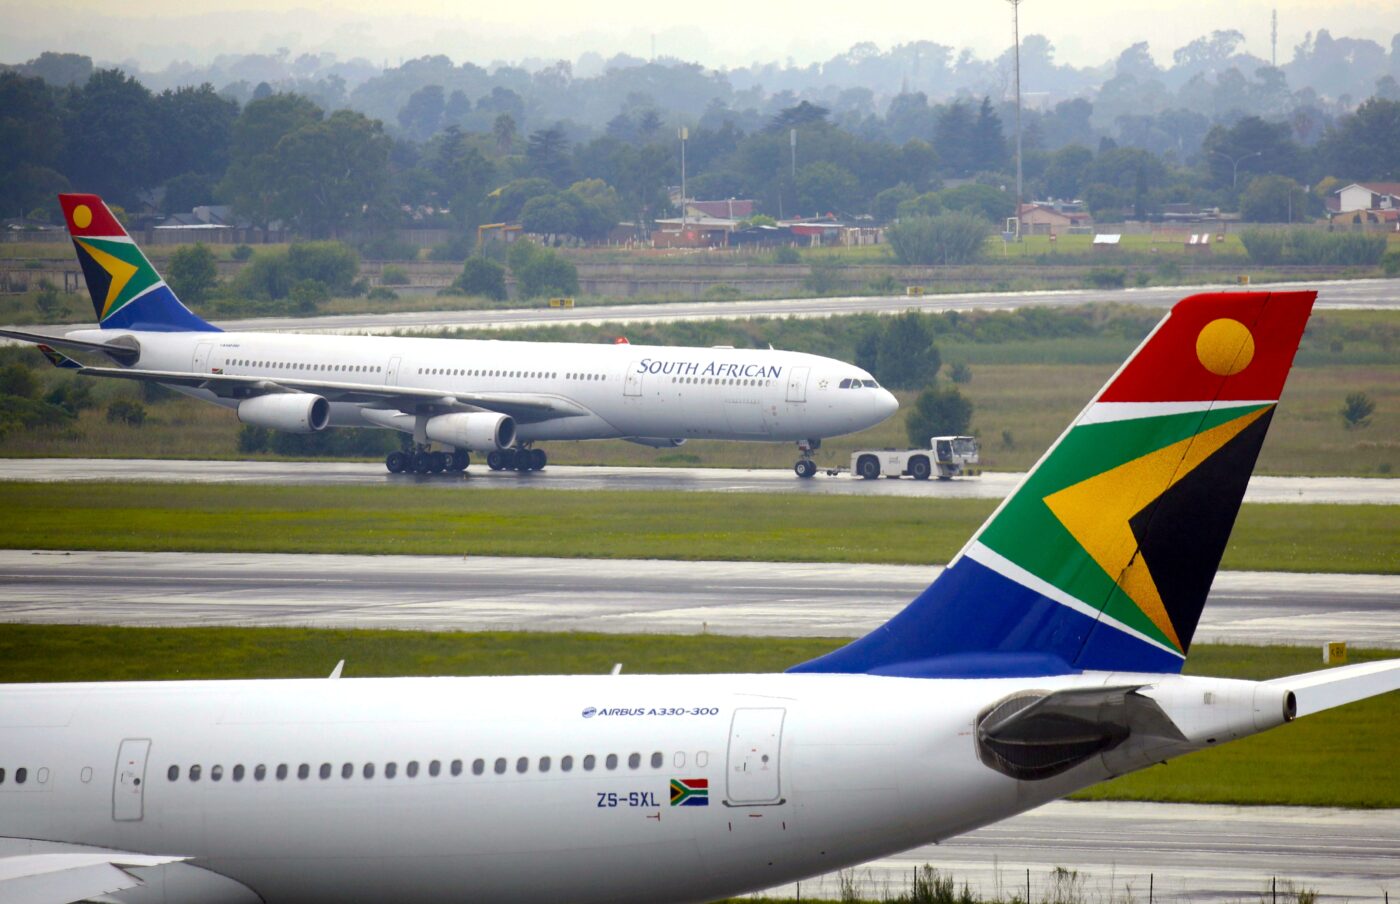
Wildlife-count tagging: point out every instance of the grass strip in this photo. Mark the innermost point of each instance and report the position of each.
(633, 524)
(1342, 757)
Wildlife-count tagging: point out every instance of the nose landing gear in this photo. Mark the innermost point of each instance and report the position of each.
(805, 468)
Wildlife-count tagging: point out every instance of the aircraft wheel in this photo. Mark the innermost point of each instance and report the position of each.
(437, 462)
(495, 460)
(537, 459)
(919, 468)
(421, 462)
(805, 468)
(396, 462)
(868, 467)
(460, 460)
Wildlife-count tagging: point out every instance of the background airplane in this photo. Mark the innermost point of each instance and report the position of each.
(465, 396)
(1045, 658)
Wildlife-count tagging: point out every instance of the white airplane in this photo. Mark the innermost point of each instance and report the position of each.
(462, 395)
(1044, 659)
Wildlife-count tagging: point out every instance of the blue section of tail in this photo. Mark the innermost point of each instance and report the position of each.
(158, 311)
(973, 622)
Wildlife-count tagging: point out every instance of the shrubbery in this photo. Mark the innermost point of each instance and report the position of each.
(483, 276)
(938, 412)
(1308, 246)
(306, 274)
(345, 442)
(540, 272)
(949, 238)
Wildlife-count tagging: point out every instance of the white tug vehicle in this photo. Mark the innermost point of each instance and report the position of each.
(945, 458)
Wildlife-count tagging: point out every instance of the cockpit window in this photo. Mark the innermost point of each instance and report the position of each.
(871, 384)
(846, 384)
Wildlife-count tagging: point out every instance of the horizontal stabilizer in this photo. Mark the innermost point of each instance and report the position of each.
(118, 349)
(1316, 691)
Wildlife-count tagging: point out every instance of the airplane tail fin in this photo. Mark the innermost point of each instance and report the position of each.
(127, 292)
(1103, 556)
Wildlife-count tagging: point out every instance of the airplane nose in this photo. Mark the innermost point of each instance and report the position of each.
(888, 403)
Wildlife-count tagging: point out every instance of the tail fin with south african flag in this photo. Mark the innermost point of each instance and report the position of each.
(1102, 558)
(127, 292)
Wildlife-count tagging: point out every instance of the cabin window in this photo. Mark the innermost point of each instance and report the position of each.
(172, 774)
(434, 768)
(634, 761)
(303, 771)
(194, 773)
(500, 766)
(412, 769)
(456, 767)
(657, 760)
(478, 766)
(566, 764)
(281, 771)
(522, 765)
(611, 761)
(259, 772)
(325, 771)
(544, 764)
(347, 770)
(216, 773)
(391, 770)
(588, 762)
(238, 772)
(369, 770)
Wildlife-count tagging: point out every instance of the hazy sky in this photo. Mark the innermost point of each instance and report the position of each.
(717, 33)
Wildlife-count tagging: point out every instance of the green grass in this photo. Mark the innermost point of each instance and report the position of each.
(1342, 757)
(657, 525)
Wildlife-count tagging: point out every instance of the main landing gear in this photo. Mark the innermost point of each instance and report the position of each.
(805, 467)
(421, 461)
(517, 460)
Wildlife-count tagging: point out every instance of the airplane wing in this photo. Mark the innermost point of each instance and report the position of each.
(524, 407)
(66, 877)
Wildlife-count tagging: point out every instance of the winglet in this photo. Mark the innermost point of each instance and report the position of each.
(339, 667)
(58, 358)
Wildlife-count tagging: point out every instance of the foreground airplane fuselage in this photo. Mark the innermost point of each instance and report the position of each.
(612, 391)
(539, 789)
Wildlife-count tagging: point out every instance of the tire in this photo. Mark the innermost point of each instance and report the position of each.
(437, 462)
(396, 462)
(805, 469)
(422, 461)
(868, 467)
(538, 459)
(919, 468)
(495, 460)
(460, 460)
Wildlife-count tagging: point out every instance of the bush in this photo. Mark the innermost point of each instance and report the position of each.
(308, 293)
(18, 380)
(901, 353)
(340, 443)
(241, 252)
(938, 412)
(1391, 264)
(949, 238)
(885, 285)
(960, 373)
(191, 273)
(459, 248)
(787, 255)
(126, 411)
(379, 293)
(393, 276)
(388, 248)
(483, 277)
(723, 292)
(330, 263)
(49, 301)
(72, 395)
(1357, 411)
(1309, 247)
(252, 439)
(1107, 277)
(822, 277)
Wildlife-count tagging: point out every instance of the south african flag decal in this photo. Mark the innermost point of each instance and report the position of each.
(690, 792)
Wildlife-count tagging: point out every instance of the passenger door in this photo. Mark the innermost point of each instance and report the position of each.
(391, 373)
(129, 782)
(753, 769)
(797, 384)
(632, 383)
(202, 353)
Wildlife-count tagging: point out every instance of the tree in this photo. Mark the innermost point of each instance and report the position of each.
(984, 201)
(547, 156)
(825, 187)
(540, 272)
(422, 114)
(988, 142)
(194, 126)
(886, 204)
(191, 273)
(252, 181)
(1366, 145)
(938, 412)
(328, 173)
(116, 118)
(1274, 199)
(506, 202)
(949, 238)
(953, 138)
(1357, 411)
(503, 131)
(906, 357)
(483, 276)
(1064, 174)
(550, 214)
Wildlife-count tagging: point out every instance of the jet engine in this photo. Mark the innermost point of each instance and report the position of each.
(294, 412)
(477, 431)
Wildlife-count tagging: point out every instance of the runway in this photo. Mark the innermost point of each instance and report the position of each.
(1192, 853)
(1342, 490)
(618, 596)
(1359, 294)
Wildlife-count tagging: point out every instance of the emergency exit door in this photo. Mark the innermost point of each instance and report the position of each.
(129, 785)
(755, 744)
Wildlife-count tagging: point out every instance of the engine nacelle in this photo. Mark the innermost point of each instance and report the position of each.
(477, 431)
(294, 412)
(657, 442)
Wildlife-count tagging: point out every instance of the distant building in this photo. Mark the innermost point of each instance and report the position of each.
(210, 223)
(1368, 196)
(729, 209)
(1051, 217)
